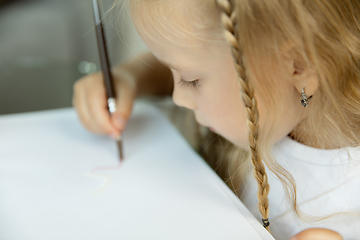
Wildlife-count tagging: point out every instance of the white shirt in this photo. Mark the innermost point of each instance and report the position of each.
(327, 182)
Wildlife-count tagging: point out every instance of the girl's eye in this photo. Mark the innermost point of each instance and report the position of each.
(189, 83)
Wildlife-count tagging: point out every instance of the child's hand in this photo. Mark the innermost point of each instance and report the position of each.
(144, 75)
(317, 234)
(90, 102)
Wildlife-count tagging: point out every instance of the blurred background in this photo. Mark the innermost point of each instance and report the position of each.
(46, 45)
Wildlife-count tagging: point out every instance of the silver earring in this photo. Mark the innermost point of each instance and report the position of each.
(304, 100)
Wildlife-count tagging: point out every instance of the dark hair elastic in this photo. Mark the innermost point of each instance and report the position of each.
(266, 222)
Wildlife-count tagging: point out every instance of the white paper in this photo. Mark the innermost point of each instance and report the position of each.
(163, 189)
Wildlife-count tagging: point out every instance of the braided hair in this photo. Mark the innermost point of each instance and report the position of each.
(229, 20)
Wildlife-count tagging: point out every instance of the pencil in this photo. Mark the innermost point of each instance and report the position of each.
(105, 66)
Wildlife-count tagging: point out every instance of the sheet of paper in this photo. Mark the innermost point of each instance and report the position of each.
(163, 189)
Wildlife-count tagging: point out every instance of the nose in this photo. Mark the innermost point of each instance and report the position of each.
(182, 99)
(182, 95)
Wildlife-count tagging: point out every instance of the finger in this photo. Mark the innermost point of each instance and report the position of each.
(82, 110)
(99, 114)
(317, 234)
(124, 104)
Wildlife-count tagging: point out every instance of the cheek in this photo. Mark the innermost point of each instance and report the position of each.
(220, 104)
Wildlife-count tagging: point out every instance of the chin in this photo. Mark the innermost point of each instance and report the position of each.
(240, 143)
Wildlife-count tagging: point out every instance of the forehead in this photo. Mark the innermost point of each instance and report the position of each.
(181, 58)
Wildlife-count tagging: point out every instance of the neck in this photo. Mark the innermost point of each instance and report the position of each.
(316, 138)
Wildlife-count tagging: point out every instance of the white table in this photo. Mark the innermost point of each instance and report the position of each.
(163, 189)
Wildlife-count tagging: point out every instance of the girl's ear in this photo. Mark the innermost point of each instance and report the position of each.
(304, 77)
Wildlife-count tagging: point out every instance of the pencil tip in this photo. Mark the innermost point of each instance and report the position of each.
(120, 148)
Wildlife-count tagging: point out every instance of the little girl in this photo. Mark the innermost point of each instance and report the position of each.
(279, 79)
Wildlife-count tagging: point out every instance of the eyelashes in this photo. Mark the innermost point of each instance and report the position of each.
(189, 84)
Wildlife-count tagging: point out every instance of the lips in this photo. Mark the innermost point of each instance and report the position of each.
(212, 129)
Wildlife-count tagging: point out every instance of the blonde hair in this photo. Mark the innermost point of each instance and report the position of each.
(326, 37)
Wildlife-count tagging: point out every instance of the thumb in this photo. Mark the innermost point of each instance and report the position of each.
(317, 234)
(124, 103)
